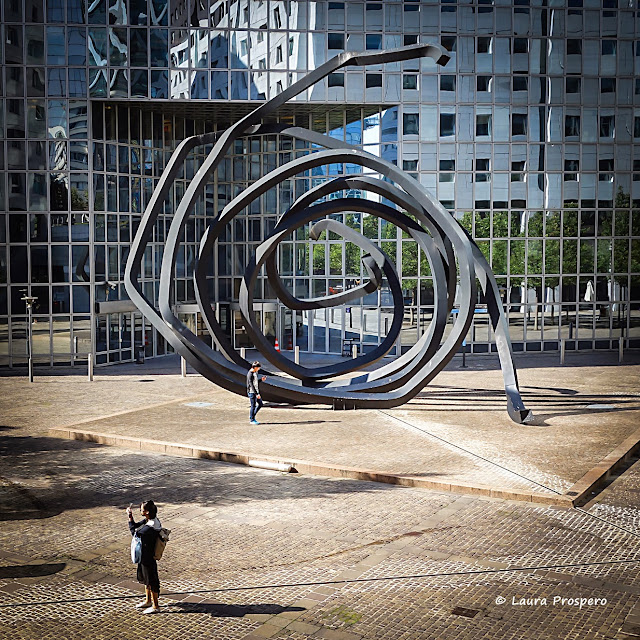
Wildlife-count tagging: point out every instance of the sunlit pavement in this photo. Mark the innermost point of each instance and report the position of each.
(256, 554)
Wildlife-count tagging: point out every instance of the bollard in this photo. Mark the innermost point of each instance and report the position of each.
(30, 369)
(243, 353)
(563, 346)
(297, 355)
(354, 351)
(90, 366)
(620, 349)
(183, 367)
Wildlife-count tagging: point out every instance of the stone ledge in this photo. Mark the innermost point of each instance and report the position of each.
(594, 478)
(314, 468)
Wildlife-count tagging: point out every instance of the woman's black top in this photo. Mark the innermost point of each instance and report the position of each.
(148, 535)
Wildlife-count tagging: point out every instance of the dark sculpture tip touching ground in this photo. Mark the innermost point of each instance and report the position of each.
(454, 259)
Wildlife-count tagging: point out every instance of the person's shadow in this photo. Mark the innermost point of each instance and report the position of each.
(229, 610)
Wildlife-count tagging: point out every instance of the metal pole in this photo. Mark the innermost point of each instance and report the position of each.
(183, 367)
(297, 354)
(563, 346)
(90, 366)
(621, 349)
(30, 309)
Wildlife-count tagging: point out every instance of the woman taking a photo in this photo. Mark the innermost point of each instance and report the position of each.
(147, 530)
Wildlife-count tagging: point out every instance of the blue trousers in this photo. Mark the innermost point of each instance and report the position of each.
(256, 405)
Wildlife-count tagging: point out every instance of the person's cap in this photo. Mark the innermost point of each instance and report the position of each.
(256, 364)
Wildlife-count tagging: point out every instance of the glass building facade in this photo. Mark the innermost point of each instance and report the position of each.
(530, 136)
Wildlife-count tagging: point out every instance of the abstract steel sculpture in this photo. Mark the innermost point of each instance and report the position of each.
(455, 261)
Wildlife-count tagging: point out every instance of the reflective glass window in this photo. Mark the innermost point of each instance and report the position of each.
(607, 126)
(373, 80)
(574, 46)
(55, 11)
(77, 85)
(16, 156)
(373, 41)
(36, 119)
(571, 168)
(98, 83)
(573, 84)
(447, 124)
(118, 47)
(518, 124)
(410, 124)
(158, 47)
(58, 124)
(15, 125)
(449, 42)
(35, 82)
(98, 47)
(35, 45)
(36, 155)
(118, 83)
(77, 46)
(520, 83)
(160, 84)
(483, 44)
(98, 12)
(447, 83)
(607, 85)
(335, 41)
(59, 192)
(138, 47)
(37, 192)
(57, 82)
(483, 124)
(139, 83)
(572, 125)
(483, 83)
(13, 41)
(410, 81)
(56, 45)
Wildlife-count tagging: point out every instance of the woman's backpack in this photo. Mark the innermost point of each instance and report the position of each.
(161, 543)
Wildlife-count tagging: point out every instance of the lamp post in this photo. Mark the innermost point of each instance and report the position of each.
(30, 301)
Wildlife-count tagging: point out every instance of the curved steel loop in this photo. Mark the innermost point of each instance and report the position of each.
(248, 283)
(429, 210)
(399, 198)
(450, 229)
(410, 363)
(444, 242)
(248, 125)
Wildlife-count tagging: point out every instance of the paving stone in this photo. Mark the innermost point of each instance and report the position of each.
(254, 553)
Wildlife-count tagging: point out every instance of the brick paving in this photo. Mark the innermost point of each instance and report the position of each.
(258, 554)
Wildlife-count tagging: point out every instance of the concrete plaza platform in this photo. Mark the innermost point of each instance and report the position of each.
(257, 554)
(455, 436)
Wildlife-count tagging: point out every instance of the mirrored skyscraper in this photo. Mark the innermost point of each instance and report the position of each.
(530, 136)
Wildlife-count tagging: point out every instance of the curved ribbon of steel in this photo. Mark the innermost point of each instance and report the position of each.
(452, 256)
